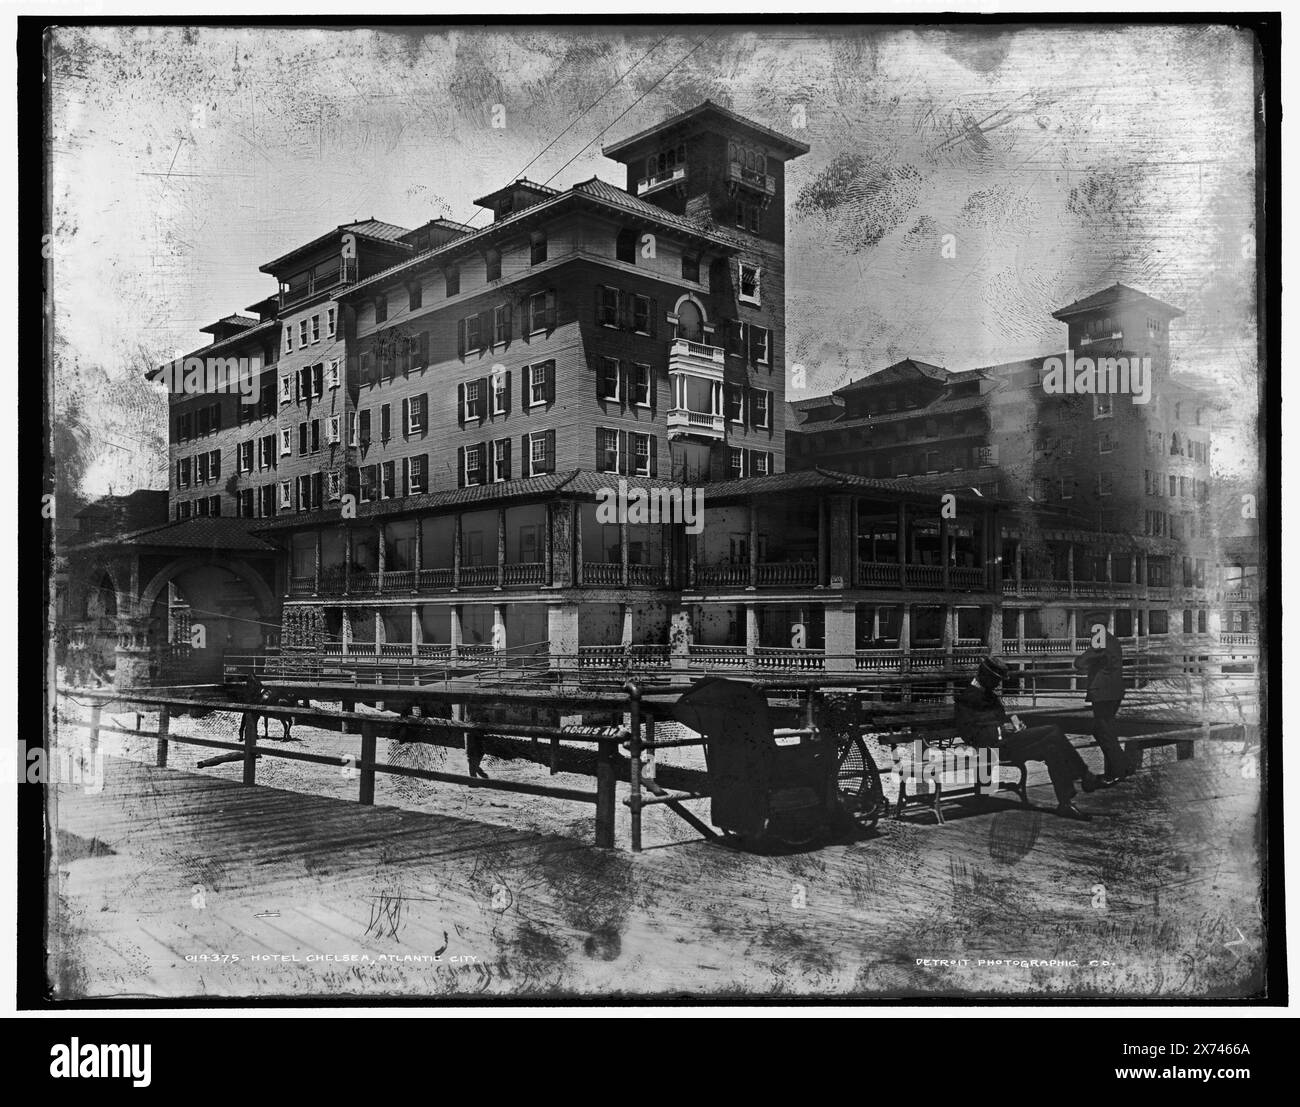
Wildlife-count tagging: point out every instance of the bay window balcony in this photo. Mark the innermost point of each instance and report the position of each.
(697, 402)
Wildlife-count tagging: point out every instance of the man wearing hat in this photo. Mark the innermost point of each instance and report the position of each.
(1103, 662)
(983, 722)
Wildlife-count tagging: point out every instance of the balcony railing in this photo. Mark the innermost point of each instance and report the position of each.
(436, 578)
(602, 572)
(751, 178)
(363, 582)
(623, 657)
(645, 574)
(1240, 595)
(477, 576)
(660, 180)
(787, 573)
(302, 586)
(719, 657)
(682, 352)
(525, 572)
(708, 424)
(772, 657)
(396, 649)
(433, 651)
(1238, 639)
(399, 579)
(320, 282)
(966, 577)
(876, 660)
(724, 576)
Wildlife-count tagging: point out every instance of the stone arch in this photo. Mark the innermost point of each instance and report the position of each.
(690, 298)
(260, 589)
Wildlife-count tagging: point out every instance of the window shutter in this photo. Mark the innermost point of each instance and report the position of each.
(460, 340)
(508, 309)
(550, 451)
(460, 408)
(406, 476)
(599, 305)
(626, 382)
(363, 427)
(550, 309)
(623, 462)
(549, 369)
(424, 349)
(651, 386)
(654, 318)
(483, 385)
(525, 457)
(486, 333)
(654, 455)
(460, 466)
(506, 404)
(424, 414)
(406, 416)
(505, 443)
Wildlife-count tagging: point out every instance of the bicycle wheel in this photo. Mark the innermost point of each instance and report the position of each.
(859, 784)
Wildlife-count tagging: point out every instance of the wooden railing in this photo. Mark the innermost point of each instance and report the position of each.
(525, 572)
(399, 579)
(789, 660)
(722, 575)
(522, 739)
(436, 578)
(602, 572)
(477, 576)
(787, 573)
(302, 586)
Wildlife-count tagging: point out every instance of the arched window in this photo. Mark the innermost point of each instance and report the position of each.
(690, 322)
(1175, 447)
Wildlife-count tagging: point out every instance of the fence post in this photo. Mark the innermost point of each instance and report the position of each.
(367, 795)
(606, 753)
(634, 766)
(250, 748)
(164, 728)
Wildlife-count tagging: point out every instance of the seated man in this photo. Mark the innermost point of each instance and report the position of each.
(983, 722)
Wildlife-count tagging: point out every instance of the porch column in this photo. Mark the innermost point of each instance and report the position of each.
(902, 544)
(455, 630)
(347, 630)
(1069, 565)
(627, 638)
(751, 629)
(347, 560)
(383, 555)
(945, 576)
(679, 638)
(315, 587)
(993, 629)
(415, 628)
(379, 630)
(498, 620)
(841, 621)
(1019, 556)
(501, 547)
(419, 554)
(875, 624)
(839, 536)
(578, 552)
(548, 549)
(559, 535)
(1110, 568)
(905, 627)
(622, 553)
(562, 631)
(1020, 628)
(455, 553)
(753, 544)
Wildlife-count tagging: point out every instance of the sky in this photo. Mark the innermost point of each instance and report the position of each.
(1058, 159)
